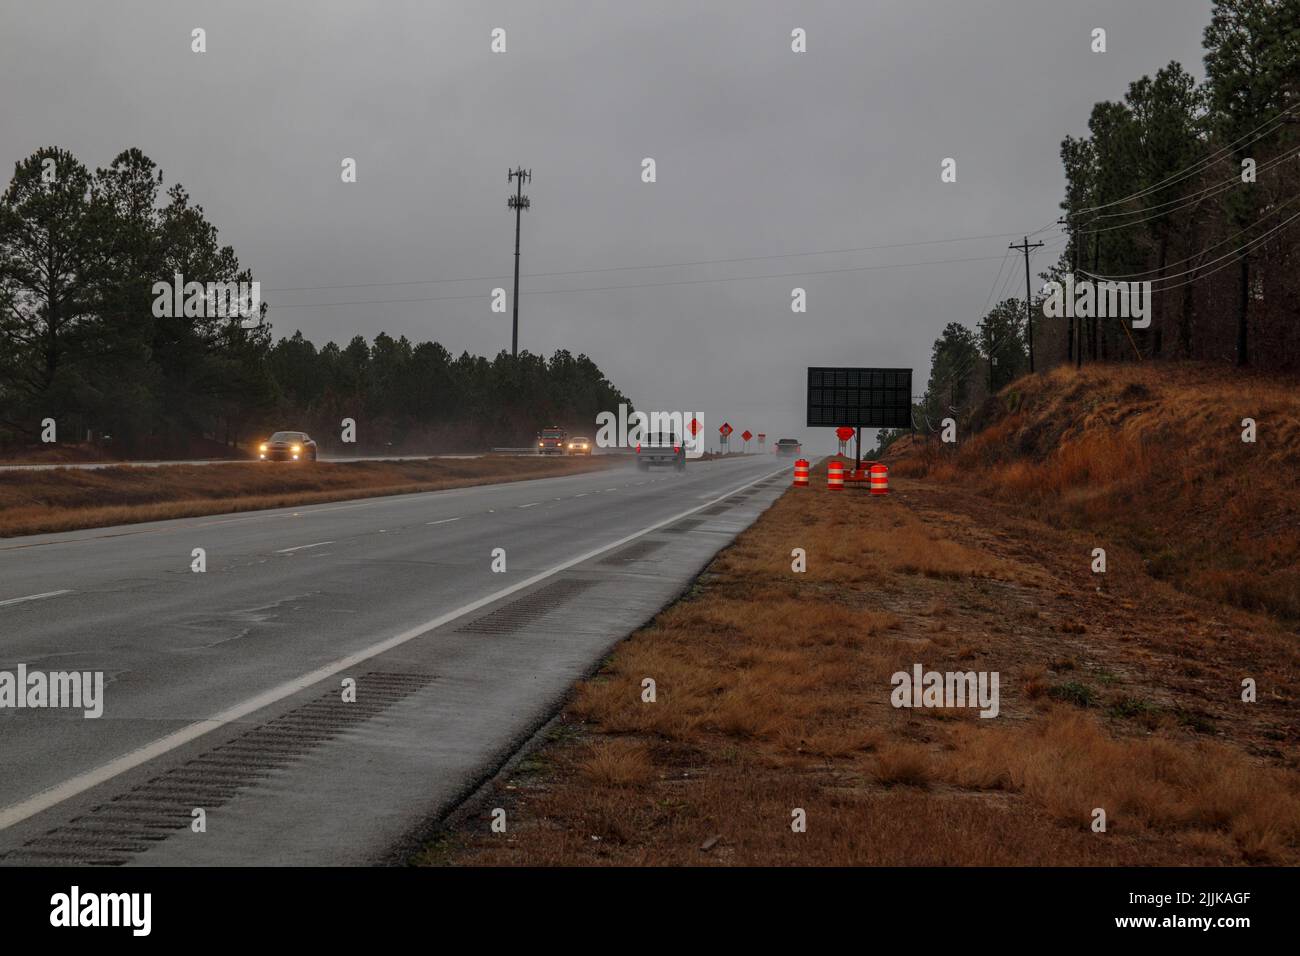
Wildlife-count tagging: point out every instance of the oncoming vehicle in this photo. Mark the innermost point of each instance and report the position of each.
(787, 447)
(551, 441)
(579, 446)
(660, 448)
(287, 446)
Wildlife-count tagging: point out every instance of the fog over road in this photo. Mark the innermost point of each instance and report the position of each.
(223, 689)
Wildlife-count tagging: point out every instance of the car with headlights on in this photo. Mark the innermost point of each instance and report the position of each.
(579, 446)
(287, 446)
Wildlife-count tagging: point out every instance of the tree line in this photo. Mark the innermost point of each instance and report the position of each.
(1193, 187)
(82, 344)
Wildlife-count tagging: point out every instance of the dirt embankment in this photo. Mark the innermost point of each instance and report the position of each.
(1118, 692)
(64, 499)
(1151, 456)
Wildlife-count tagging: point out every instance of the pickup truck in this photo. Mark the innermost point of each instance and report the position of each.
(660, 448)
(787, 447)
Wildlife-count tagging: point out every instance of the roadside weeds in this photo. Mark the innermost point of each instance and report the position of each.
(773, 695)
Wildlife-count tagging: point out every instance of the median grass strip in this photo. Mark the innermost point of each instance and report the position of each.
(772, 696)
(66, 499)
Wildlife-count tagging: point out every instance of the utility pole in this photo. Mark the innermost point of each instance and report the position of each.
(1029, 317)
(518, 202)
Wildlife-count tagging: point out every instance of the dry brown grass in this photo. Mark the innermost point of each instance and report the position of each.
(1151, 455)
(1069, 765)
(617, 763)
(65, 499)
(903, 764)
(773, 694)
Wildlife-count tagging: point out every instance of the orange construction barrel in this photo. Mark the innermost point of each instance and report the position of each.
(879, 479)
(835, 476)
(801, 473)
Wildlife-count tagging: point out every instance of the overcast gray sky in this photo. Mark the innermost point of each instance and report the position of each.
(760, 152)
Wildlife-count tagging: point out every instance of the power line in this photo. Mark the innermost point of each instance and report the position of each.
(1204, 161)
(962, 371)
(1132, 275)
(665, 265)
(648, 285)
(989, 299)
(1227, 256)
(1183, 203)
(1184, 200)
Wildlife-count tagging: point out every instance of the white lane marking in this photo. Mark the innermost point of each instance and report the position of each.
(17, 812)
(443, 521)
(530, 504)
(35, 597)
(583, 495)
(611, 489)
(303, 546)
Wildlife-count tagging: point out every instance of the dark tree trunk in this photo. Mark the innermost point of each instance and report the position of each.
(1092, 320)
(1188, 309)
(1158, 337)
(1243, 311)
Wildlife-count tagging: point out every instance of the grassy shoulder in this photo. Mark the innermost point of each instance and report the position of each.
(773, 696)
(66, 499)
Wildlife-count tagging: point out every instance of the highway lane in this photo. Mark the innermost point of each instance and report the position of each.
(294, 599)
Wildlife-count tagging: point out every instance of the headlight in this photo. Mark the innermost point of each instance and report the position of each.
(297, 448)
(262, 447)
(541, 444)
